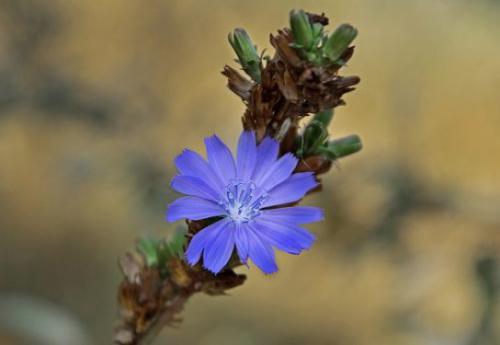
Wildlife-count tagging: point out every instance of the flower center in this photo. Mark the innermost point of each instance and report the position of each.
(242, 201)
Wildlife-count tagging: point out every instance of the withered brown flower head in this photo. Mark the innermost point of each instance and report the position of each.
(290, 88)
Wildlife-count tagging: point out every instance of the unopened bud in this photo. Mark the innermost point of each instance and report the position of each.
(339, 41)
(343, 147)
(302, 28)
(246, 52)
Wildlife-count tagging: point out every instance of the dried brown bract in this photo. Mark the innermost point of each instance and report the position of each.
(290, 88)
(149, 300)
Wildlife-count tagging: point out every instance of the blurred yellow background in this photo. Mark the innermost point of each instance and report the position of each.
(97, 98)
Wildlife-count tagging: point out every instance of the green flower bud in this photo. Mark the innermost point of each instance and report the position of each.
(302, 29)
(339, 41)
(314, 135)
(342, 147)
(246, 51)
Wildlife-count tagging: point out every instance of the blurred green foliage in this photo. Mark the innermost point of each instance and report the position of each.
(157, 252)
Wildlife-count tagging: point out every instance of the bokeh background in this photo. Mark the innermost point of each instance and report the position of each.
(97, 98)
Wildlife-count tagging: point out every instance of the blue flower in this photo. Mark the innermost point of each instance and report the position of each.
(245, 195)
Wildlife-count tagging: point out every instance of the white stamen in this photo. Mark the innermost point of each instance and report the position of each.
(242, 201)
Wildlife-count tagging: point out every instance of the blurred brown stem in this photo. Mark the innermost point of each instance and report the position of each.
(166, 318)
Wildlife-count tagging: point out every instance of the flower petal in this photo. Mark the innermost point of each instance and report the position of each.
(202, 239)
(291, 239)
(191, 163)
(220, 159)
(194, 186)
(247, 155)
(193, 208)
(218, 251)
(260, 251)
(241, 241)
(278, 172)
(267, 154)
(291, 190)
(293, 215)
